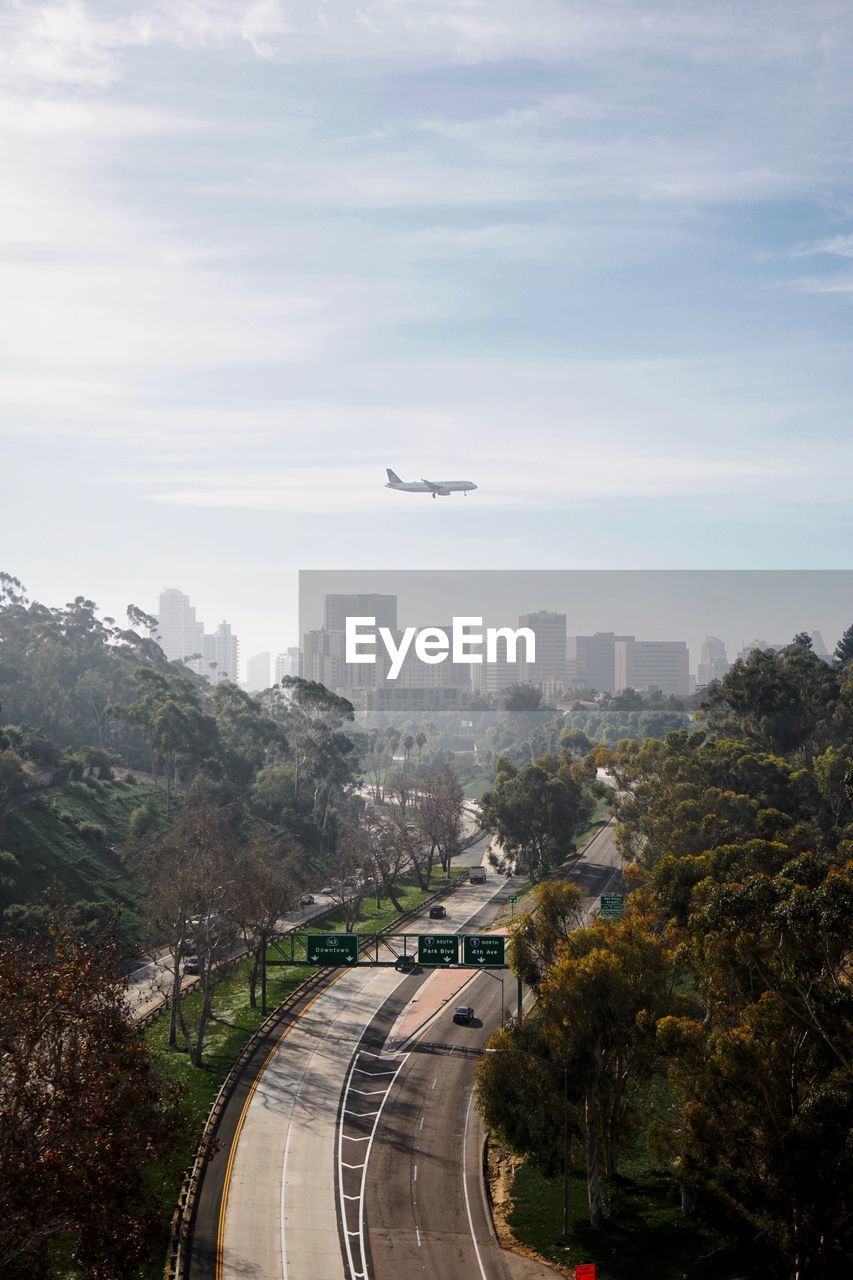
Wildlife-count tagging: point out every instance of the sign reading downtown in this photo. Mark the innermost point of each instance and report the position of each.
(332, 948)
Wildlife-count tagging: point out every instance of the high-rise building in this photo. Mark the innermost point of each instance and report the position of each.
(222, 654)
(595, 660)
(258, 672)
(549, 630)
(713, 663)
(337, 608)
(651, 664)
(749, 648)
(287, 664)
(181, 635)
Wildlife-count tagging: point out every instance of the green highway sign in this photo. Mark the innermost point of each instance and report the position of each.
(612, 904)
(438, 948)
(485, 949)
(512, 897)
(332, 948)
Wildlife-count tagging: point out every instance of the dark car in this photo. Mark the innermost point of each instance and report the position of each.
(405, 964)
(192, 965)
(463, 1013)
(437, 911)
(307, 900)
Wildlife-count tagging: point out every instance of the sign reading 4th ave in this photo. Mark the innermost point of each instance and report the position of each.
(485, 949)
(332, 948)
(438, 948)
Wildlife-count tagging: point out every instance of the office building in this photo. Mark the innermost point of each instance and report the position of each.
(549, 666)
(258, 672)
(287, 664)
(713, 663)
(595, 660)
(180, 633)
(337, 608)
(651, 664)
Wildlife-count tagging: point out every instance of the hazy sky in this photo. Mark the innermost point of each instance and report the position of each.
(595, 256)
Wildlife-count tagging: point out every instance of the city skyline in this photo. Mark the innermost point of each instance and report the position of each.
(594, 258)
(280, 657)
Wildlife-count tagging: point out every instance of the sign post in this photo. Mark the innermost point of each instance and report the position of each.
(512, 899)
(435, 949)
(332, 948)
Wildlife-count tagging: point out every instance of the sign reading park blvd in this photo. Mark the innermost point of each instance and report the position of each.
(332, 948)
(484, 949)
(438, 948)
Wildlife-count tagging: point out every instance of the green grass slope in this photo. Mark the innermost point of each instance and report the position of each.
(64, 843)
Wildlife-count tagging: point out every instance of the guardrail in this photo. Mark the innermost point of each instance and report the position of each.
(180, 1236)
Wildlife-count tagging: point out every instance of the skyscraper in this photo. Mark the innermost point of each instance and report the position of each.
(713, 663)
(651, 664)
(258, 672)
(181, 634)
(549, 630)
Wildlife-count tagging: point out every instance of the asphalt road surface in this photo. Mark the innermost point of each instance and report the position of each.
(343, 1161)
(422, 1207)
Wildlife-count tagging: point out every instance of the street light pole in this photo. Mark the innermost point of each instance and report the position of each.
(565, 1152)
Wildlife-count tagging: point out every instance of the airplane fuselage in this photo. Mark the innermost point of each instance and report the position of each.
(438, 488)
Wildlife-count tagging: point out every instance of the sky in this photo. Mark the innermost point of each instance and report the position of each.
(594, 255)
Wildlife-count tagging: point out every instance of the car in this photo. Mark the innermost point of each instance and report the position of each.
(463, 1013)
(327, 888)
(189, 947)
(307, 900)
(349, 882)
(192, 965)
(437, 911)
(405, 964)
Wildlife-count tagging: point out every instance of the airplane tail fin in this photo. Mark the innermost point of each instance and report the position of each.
(392, 476)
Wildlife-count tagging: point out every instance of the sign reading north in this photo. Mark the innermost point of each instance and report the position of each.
(438, 948)
(484, 949)
(332, 948)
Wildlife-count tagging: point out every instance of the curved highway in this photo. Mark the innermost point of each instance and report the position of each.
(353, 1154)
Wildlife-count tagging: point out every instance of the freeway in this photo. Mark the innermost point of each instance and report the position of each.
(335, 1164)
(421, 1206)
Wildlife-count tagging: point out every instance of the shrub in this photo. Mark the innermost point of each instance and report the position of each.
(92, 831)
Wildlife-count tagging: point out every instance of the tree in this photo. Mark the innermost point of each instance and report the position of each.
(83, 1113)
(189, 875)
(262, 888)
(536, 935)
(844, 648)
(536, 812)
(764, 1081)
(440, 805)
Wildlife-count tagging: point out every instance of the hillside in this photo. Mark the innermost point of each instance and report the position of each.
(65, 844)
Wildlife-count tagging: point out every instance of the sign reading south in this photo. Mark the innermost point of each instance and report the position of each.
(484, 949)
(438, 948)
(332, 948)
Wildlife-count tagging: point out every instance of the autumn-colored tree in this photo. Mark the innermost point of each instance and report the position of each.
(82, 1112)
(764, 1080)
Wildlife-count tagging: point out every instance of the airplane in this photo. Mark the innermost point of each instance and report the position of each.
(438, 488)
